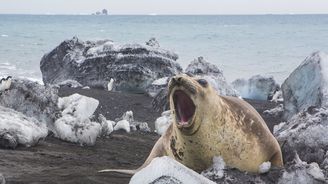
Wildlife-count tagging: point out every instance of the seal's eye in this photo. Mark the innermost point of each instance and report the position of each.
(202, 82)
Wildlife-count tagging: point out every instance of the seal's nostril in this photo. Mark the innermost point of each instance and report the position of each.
(179, 79)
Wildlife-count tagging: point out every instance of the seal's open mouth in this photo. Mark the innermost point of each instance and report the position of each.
(184, 107)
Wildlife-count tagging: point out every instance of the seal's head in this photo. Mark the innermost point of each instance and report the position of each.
(189, 98)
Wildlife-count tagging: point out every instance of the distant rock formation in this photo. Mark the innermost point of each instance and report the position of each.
(257, 87)
(307, 85)
(133, 67)
(102, 12)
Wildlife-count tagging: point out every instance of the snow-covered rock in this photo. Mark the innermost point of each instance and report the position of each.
(305, 133)
(93, 63)
(302, 173)
(166, 170)
(257, 87)
(32, 99)
(18, 129)
(152, 42)
(2, 179)
(276, 112)
(133, 125)
(277, 97)
(69, 83)
(210, 72)
(157, 86)
(75, 125)
(307, 85)
(163, 122)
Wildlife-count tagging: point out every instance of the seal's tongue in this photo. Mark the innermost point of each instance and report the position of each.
(184, 107)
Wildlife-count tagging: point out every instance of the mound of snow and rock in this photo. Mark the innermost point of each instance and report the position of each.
(133, 67)
(32, 99)
(257, 87)
(307, 85)
(18, 129)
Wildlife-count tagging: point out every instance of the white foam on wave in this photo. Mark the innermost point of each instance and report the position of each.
(7, 66)
(4, 35)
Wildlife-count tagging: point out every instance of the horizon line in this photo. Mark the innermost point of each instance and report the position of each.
(155, 14)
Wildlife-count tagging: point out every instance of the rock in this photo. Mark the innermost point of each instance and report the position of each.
(257, 87)
(305, 133)
(75, 124)
(157, 86)
(162, 123)
(210, 72)
(69, 83)
(307, 85)
(40, 102)
(18, 129)
(160, 101)
(276, 112)
(302, 173)
(152, 42)
(166, 170)
(132, 66)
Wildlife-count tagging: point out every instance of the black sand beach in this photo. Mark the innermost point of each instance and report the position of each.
(55, 161)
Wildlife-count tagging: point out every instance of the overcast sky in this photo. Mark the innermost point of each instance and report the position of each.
(164, 6)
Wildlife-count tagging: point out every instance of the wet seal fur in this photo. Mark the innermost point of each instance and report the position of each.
(207, 125)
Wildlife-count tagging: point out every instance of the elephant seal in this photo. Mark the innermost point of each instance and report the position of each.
(206, 125)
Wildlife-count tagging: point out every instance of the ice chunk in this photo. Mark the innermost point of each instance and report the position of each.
(167, 170)
(75, 125)
(69, 83)
(257, 87)
(163, 122)
(72, 129)
(307, 85)
(106, 125)
(275, 112)
(122, 125)
(110, 84)
(77, 105)
(15, 126)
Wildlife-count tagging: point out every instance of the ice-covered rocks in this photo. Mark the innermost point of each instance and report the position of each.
(18, 129)
(32, 99)
(152, 42)
(307, 85)
(302, 173)
(166, 170)
(162, 123)
(257, 87)
(276, 112)
(210, 72)
(306, 133)
(75, 124)
(93, 63)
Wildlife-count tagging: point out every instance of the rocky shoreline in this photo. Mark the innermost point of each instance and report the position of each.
(102, 104)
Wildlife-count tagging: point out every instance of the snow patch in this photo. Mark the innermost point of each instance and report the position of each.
(162, 123)
(216, 171)
(122, 125)
(265, 167)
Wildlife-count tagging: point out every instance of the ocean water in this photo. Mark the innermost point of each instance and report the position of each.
(240, 45)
